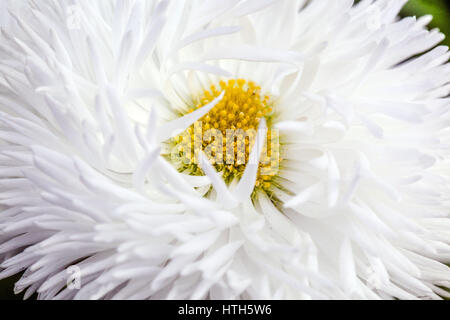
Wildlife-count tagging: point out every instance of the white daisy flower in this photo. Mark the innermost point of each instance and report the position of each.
(342, 192)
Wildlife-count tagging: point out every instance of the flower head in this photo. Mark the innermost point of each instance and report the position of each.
(223, 150)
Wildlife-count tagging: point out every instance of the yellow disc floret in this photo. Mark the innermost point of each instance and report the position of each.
(227, 133)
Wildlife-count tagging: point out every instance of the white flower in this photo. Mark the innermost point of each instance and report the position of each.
(92, 94)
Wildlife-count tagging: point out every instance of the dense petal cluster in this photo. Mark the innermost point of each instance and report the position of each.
(91, 91)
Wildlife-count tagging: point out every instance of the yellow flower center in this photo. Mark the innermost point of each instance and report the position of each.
(241, 108)
(228, 132)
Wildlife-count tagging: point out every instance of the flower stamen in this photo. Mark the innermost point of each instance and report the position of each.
(228, 132)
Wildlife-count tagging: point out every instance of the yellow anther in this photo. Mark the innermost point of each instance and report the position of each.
(242, 107)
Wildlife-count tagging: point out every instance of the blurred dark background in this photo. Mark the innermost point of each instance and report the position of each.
(440, 9)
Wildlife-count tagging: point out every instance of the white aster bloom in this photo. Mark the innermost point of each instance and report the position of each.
(93, 94)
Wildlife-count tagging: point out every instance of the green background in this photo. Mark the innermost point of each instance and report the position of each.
(438, 8)
(441, 13)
